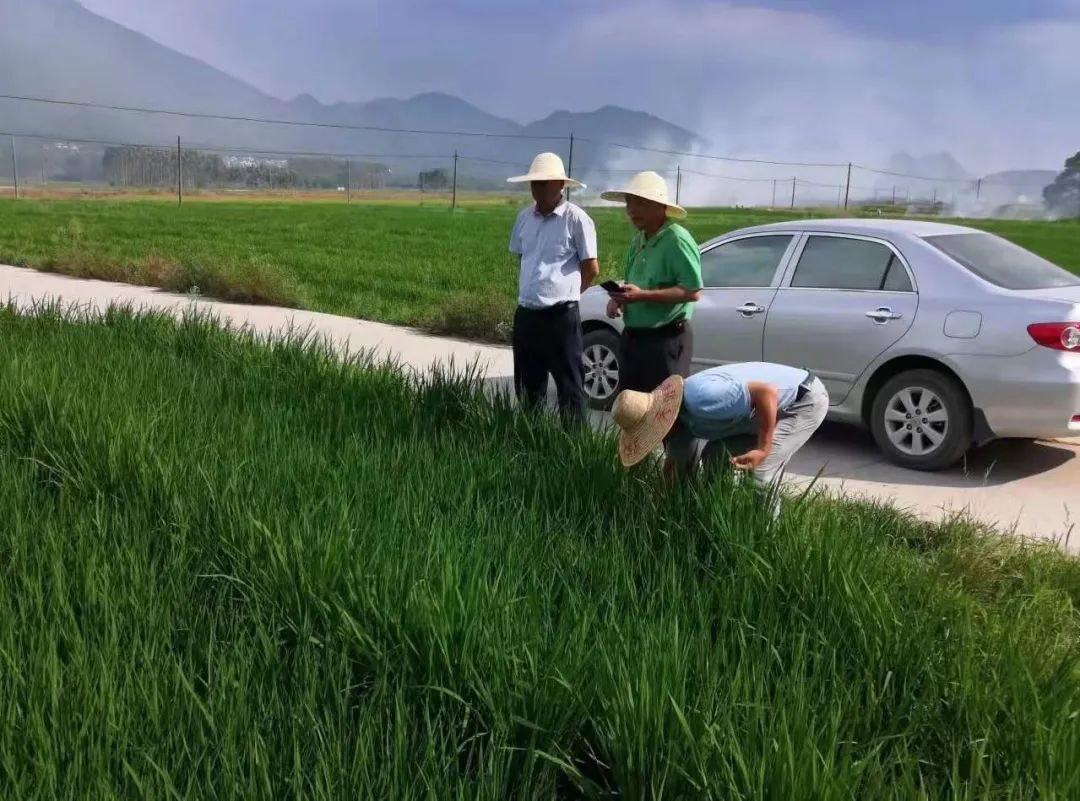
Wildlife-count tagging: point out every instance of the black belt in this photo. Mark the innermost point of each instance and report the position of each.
(674, 328)
(805, 386)
(555, 307)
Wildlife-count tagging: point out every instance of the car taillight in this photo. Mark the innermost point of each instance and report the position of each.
(1059, 336)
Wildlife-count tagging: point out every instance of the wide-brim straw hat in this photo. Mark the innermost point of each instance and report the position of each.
(651, 186)
(546, 167)
(645, 418)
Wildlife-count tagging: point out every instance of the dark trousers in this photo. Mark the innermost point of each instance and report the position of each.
(548, 342)
(649, 356)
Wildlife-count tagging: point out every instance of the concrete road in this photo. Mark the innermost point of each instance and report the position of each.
(1030, 488)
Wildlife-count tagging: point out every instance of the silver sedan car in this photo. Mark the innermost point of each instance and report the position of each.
(936, 337)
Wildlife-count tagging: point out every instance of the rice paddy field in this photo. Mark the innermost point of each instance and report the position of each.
(233, 569)
(424, 266)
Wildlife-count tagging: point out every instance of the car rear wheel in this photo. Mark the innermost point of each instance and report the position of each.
(921, 419)
(600, 357)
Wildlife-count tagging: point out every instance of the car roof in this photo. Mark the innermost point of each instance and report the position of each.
(881, 227)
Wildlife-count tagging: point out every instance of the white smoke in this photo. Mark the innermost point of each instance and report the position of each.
(790, 86)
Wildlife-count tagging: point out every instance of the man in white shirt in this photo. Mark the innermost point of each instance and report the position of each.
(556, 244)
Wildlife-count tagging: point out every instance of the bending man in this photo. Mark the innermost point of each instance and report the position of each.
(752, 416)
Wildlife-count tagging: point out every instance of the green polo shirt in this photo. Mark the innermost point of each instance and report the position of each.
(669, 259)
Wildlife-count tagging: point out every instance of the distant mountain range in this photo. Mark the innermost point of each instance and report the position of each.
(59, 49)
(942, 166)
(1010, 186)
(1015, 186)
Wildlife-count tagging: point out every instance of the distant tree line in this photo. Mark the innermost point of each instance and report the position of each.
(434, 180)
(329, 173)
(1063, 195)
(143, 166)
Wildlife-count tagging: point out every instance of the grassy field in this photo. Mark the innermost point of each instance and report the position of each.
(234, 571)
(59, 190)
(422, 266)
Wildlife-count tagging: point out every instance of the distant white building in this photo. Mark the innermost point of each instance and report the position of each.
(247, 162)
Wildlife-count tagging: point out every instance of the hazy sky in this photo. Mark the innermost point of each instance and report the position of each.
(995, 81)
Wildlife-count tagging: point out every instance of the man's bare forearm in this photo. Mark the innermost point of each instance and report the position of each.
(765, 401)
(674, 294)
(589, 270)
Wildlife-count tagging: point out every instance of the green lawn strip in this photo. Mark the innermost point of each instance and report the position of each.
(407, 265)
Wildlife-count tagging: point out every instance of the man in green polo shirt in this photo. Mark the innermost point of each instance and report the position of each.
(663, 281)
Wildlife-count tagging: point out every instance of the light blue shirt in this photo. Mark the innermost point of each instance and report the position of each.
(716, 402)
(552, 248)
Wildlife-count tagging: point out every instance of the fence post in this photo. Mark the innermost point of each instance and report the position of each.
(179, 174)
(15, 166)
(453, 198)
(570, 165)
(774, 193)
(678, 183)
(793, 180)
(847, 188)
(348, 180)
(978, 189)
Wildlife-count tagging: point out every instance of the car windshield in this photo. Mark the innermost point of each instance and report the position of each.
(1001, 262)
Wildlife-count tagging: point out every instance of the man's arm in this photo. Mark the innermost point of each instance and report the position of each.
(515, 239)
(590, 268)
(583, 232)
(684, 268)
(673, 294)
(678, 452)
(764, 400)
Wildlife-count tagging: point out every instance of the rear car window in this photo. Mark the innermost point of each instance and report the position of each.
(834, 262)
(1001, 262)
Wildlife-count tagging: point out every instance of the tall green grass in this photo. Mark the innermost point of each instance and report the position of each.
(406, 265)
(242, 570)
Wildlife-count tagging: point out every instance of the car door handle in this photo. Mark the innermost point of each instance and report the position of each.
(750, 309)
(883, 314)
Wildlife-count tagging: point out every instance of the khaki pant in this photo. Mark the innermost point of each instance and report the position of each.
(794, 427)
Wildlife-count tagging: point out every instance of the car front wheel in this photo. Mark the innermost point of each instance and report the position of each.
(600, 358)
(921, 419)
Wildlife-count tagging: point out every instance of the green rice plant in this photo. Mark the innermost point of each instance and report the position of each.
(238, 568)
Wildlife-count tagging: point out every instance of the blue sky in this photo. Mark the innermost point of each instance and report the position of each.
(989, 79)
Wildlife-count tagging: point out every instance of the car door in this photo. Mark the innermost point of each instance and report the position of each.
(844, 301)
(739, 278)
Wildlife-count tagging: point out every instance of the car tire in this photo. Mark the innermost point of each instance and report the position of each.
(601, 357)
(922, 420)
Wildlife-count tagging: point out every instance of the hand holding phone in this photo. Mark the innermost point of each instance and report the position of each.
(612, 287)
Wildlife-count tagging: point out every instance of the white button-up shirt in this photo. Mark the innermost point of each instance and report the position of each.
(552, 248)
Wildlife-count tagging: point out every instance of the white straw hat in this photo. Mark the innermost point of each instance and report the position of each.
(651, 186)
(546, 167)
(645, 418)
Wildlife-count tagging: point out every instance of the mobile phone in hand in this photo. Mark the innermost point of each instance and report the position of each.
(612, 287)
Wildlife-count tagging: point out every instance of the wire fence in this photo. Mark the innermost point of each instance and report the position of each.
(410, 161)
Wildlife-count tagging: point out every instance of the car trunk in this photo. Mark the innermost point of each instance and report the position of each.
(1065, 294)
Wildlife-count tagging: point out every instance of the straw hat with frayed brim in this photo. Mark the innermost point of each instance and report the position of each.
(650, 186)
(546, 167)
(645, 418)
